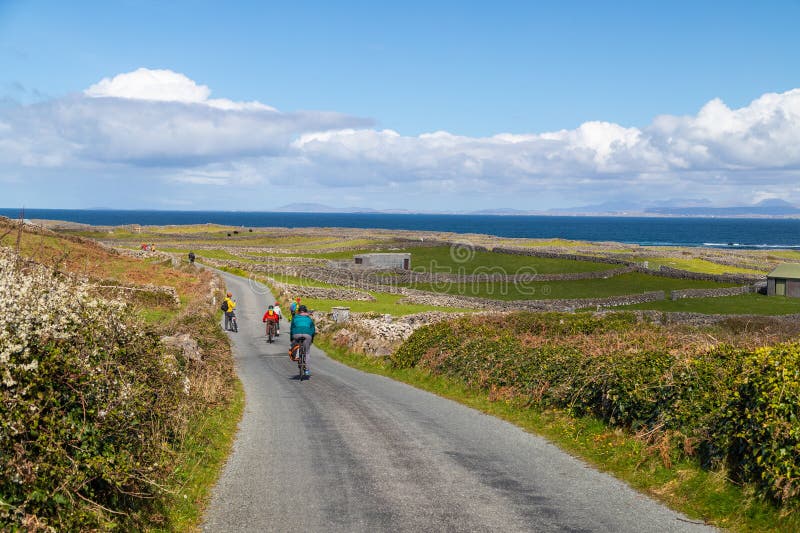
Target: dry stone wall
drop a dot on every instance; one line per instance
(710, 293)
(566, 305)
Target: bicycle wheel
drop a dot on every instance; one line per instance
(270, 329)
(234, 326)
(301, 363)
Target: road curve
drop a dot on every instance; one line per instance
(349, 451)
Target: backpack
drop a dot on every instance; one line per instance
(224, 305)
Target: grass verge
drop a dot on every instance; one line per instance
(703, 495)
(201, 459)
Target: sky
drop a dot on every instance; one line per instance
(421, 105)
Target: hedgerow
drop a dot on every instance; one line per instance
(723, 404)
(87, 406)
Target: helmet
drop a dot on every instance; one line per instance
(276, 303)
(303, 309)
(270, 307)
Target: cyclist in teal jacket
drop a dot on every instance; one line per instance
(303, 330)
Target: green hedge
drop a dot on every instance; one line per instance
(723, 405)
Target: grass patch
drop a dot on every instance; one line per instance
(743, 304)
(440, 259)
(631, 283)
(700, 494)
(697, 265)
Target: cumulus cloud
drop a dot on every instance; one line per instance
(151, 118)
(159, 118)
(716, 149)
(165, 86)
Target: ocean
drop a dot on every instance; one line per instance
(647, 231)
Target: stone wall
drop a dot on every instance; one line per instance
(559, 255)
(566, 305)
(710, 293)
(378, 335)
(321, 293)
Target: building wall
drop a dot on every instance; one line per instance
(793, 288)
(388, 261)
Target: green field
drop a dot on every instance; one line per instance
(632, 283)
(467, 261)
(744, 304)
(697, 265)
(384, 304)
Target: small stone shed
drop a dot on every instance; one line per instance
(784, 280)
(387, 261)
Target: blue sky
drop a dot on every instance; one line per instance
(359, 87)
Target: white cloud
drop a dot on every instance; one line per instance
(157, 119)
(165, 86)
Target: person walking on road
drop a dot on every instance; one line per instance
(303, 331)
(228, 306)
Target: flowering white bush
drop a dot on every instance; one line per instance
(86, 402)
(39, 307)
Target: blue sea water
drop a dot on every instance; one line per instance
(648, 231)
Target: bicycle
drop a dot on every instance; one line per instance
(234, 327)
(301, 360)
(271, 329)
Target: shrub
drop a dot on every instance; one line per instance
(87, 401)
(763, 421)
(719, 402)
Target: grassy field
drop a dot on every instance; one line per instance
(384, 304)
(443, 259)
(745, 304)
(697, 265)
(631, 283)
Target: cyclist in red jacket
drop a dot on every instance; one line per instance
(272, 316)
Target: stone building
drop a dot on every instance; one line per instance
(384, 261)
(784, 280)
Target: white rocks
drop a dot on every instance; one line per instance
(186, 344)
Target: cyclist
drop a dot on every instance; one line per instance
(228, 306)
(293, 307)
(303, 331)
(271, 316)
(277, 307)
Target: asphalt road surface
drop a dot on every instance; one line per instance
(349, 451)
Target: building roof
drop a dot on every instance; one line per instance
(786, 270)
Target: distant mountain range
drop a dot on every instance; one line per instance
(672, 207)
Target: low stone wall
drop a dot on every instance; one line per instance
(710, 293)
(321, 293)
(559, 255)
(379, 335)
(566, 305)
(702, 320)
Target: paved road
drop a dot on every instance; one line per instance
(348, 451)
